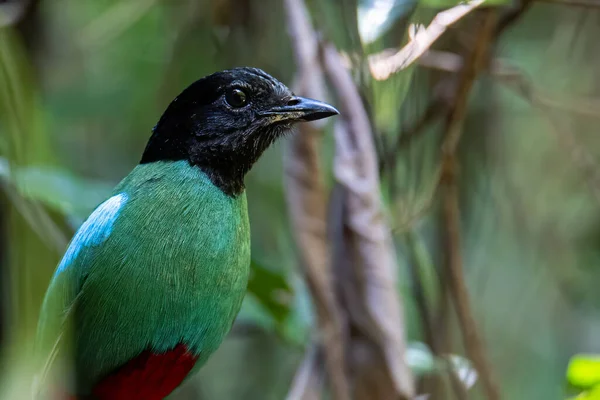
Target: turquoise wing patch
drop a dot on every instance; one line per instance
(95, 230)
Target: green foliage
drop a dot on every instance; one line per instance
(272, 291)
(592, 394)
(57, 189)
(422, 362)
(583, 372)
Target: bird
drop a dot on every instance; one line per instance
(153, 280)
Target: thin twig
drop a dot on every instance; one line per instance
(431, 58)
(388, 62)
(422, 206)
(418, 264)
(309, 377)
(516, 79)
(513, 15)
(416, 268)
(574, 3)
(435, 109)
(453, 263)
(581, 157)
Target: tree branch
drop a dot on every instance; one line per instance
(389, 61)
(307, 202)
(378, 312)
(512, 16)
(453, 264)
(515, 78)
(574, 3)
(309, 377)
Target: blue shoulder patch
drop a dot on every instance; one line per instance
(95, 229)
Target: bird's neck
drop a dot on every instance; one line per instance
(225, 170)
(228, 178)
(225, 166)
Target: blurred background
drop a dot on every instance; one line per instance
(451, 249)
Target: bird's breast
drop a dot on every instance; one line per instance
(174, 270)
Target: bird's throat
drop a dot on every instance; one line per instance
(229, 179)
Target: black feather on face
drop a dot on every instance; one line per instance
(224, 122)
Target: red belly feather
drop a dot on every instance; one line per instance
(149, 376)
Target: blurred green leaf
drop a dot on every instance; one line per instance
(274, 304)
(297, 328)
(56, 188)
(255, 314)
(593, 394)
(272, 290)
(424, 265)
(421, 361)
(22, 129)
(584, 371)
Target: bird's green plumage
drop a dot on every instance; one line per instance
(160, 268)
(174, 269)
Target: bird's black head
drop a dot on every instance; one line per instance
(222, 123)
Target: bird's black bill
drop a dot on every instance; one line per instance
(301, 109)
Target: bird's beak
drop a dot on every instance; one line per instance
(300, 109)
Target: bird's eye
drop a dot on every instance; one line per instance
(236, 98)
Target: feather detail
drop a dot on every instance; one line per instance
(149, 376)
(162, 262)
(95, 229)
